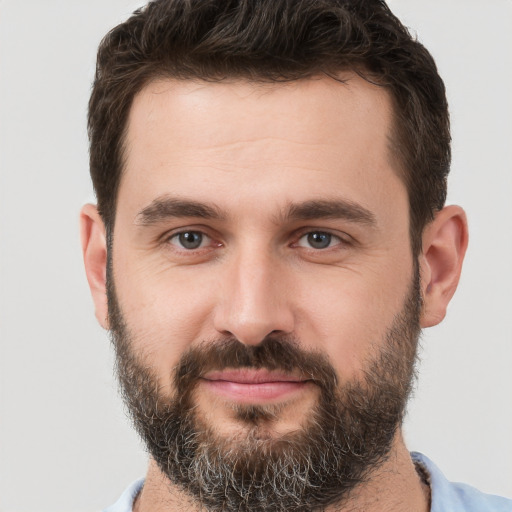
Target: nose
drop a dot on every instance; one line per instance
(254, 299)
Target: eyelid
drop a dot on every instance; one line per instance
(184, 228)
(204, 241)
(334, 241)
(166, 238)
(344, 238)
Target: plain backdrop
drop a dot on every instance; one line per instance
(65, 442)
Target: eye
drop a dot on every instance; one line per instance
(318, 240)
(189, 240)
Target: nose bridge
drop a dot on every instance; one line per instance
(254, 301)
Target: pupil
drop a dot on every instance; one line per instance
(319, 240)
(190, 240)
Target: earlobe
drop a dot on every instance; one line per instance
(445, 241)
(94, 249)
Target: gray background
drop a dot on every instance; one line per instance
(65, 444)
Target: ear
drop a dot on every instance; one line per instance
(94, 249)
(445, 241)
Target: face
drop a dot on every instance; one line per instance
(261, 270)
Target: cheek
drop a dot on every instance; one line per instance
(348, 319)
(165, 311)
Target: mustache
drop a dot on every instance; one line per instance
(282, 353)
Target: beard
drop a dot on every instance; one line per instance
(342, 440)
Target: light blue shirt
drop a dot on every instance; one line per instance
(456, 497)
(446, 496)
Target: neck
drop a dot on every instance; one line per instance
(394, 486)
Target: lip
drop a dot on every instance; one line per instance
(253, 386)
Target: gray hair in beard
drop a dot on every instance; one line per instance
(346, 436)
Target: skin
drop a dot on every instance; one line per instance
(250, 151)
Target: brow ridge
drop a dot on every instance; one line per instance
(330, 209)
(165, 207)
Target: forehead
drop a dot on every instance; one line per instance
(319, 109)
(311, 135)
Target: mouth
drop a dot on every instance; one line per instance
(254, 385)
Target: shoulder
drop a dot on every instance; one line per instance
(450, 497)
(125, 502)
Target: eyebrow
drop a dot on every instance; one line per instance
(163, 208)
(330, 209)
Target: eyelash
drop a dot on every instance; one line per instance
(321, 235)
(189, 232)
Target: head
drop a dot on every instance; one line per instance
(271, 237)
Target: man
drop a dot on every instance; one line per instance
(269, 240)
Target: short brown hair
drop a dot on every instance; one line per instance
(274, 40)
